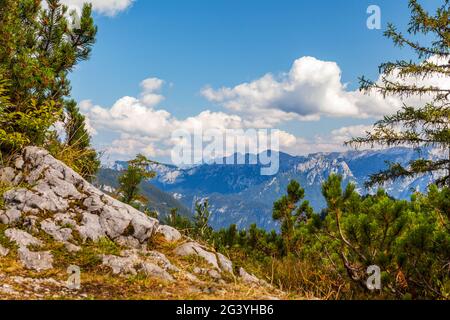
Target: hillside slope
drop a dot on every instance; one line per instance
(55, 227)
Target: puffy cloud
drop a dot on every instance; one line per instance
(129, 115)
(344, 134)
(106, 7)
(312, 88)
(150, 88)
(152, 84)
(128, 145)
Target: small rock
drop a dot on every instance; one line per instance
(65, 219)
(31, 223)
(71, 247)
(193, 289)
(121, 265)
(270, 298)
(197, 270)
(57, 232)
(225, 263)
(191, 277)
(209, 290)
(38, 261)
(18, 179)
(90, 227)
(93, 203)
(44, 198)
(144, 226)
(210, 272)
(248, 278)
(10, 216)
(3, 251)
(193, 248)
(129, 242)
(7, 289)
(63, 188)
(7, 175)
(21, 238)
(153, 270)
(169, 233)
(214, 274)
(113, 222)
(19, 163)
(162, 260)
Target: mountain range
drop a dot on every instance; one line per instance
(239, 194)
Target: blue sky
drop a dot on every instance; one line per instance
(198, 44)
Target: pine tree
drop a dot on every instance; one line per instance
(286, 211)
(38, 50)
(408, 241)
(172, 218)
(231, 235)
(78, 140)
(130, 180)
(417, 126)
(201, 219)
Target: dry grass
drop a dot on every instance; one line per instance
(306, 279)
(74, 157)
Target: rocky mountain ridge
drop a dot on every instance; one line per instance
(239, 194)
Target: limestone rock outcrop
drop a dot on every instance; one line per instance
(48, 200)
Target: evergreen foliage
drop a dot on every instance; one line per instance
(201, 219)
(417, 126)
(289, 214)
(329, 253)
(131, 178)
(39, 47)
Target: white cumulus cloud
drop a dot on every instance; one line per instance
(106, 7)
(310, 89)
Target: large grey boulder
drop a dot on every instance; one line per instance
(46, 195)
